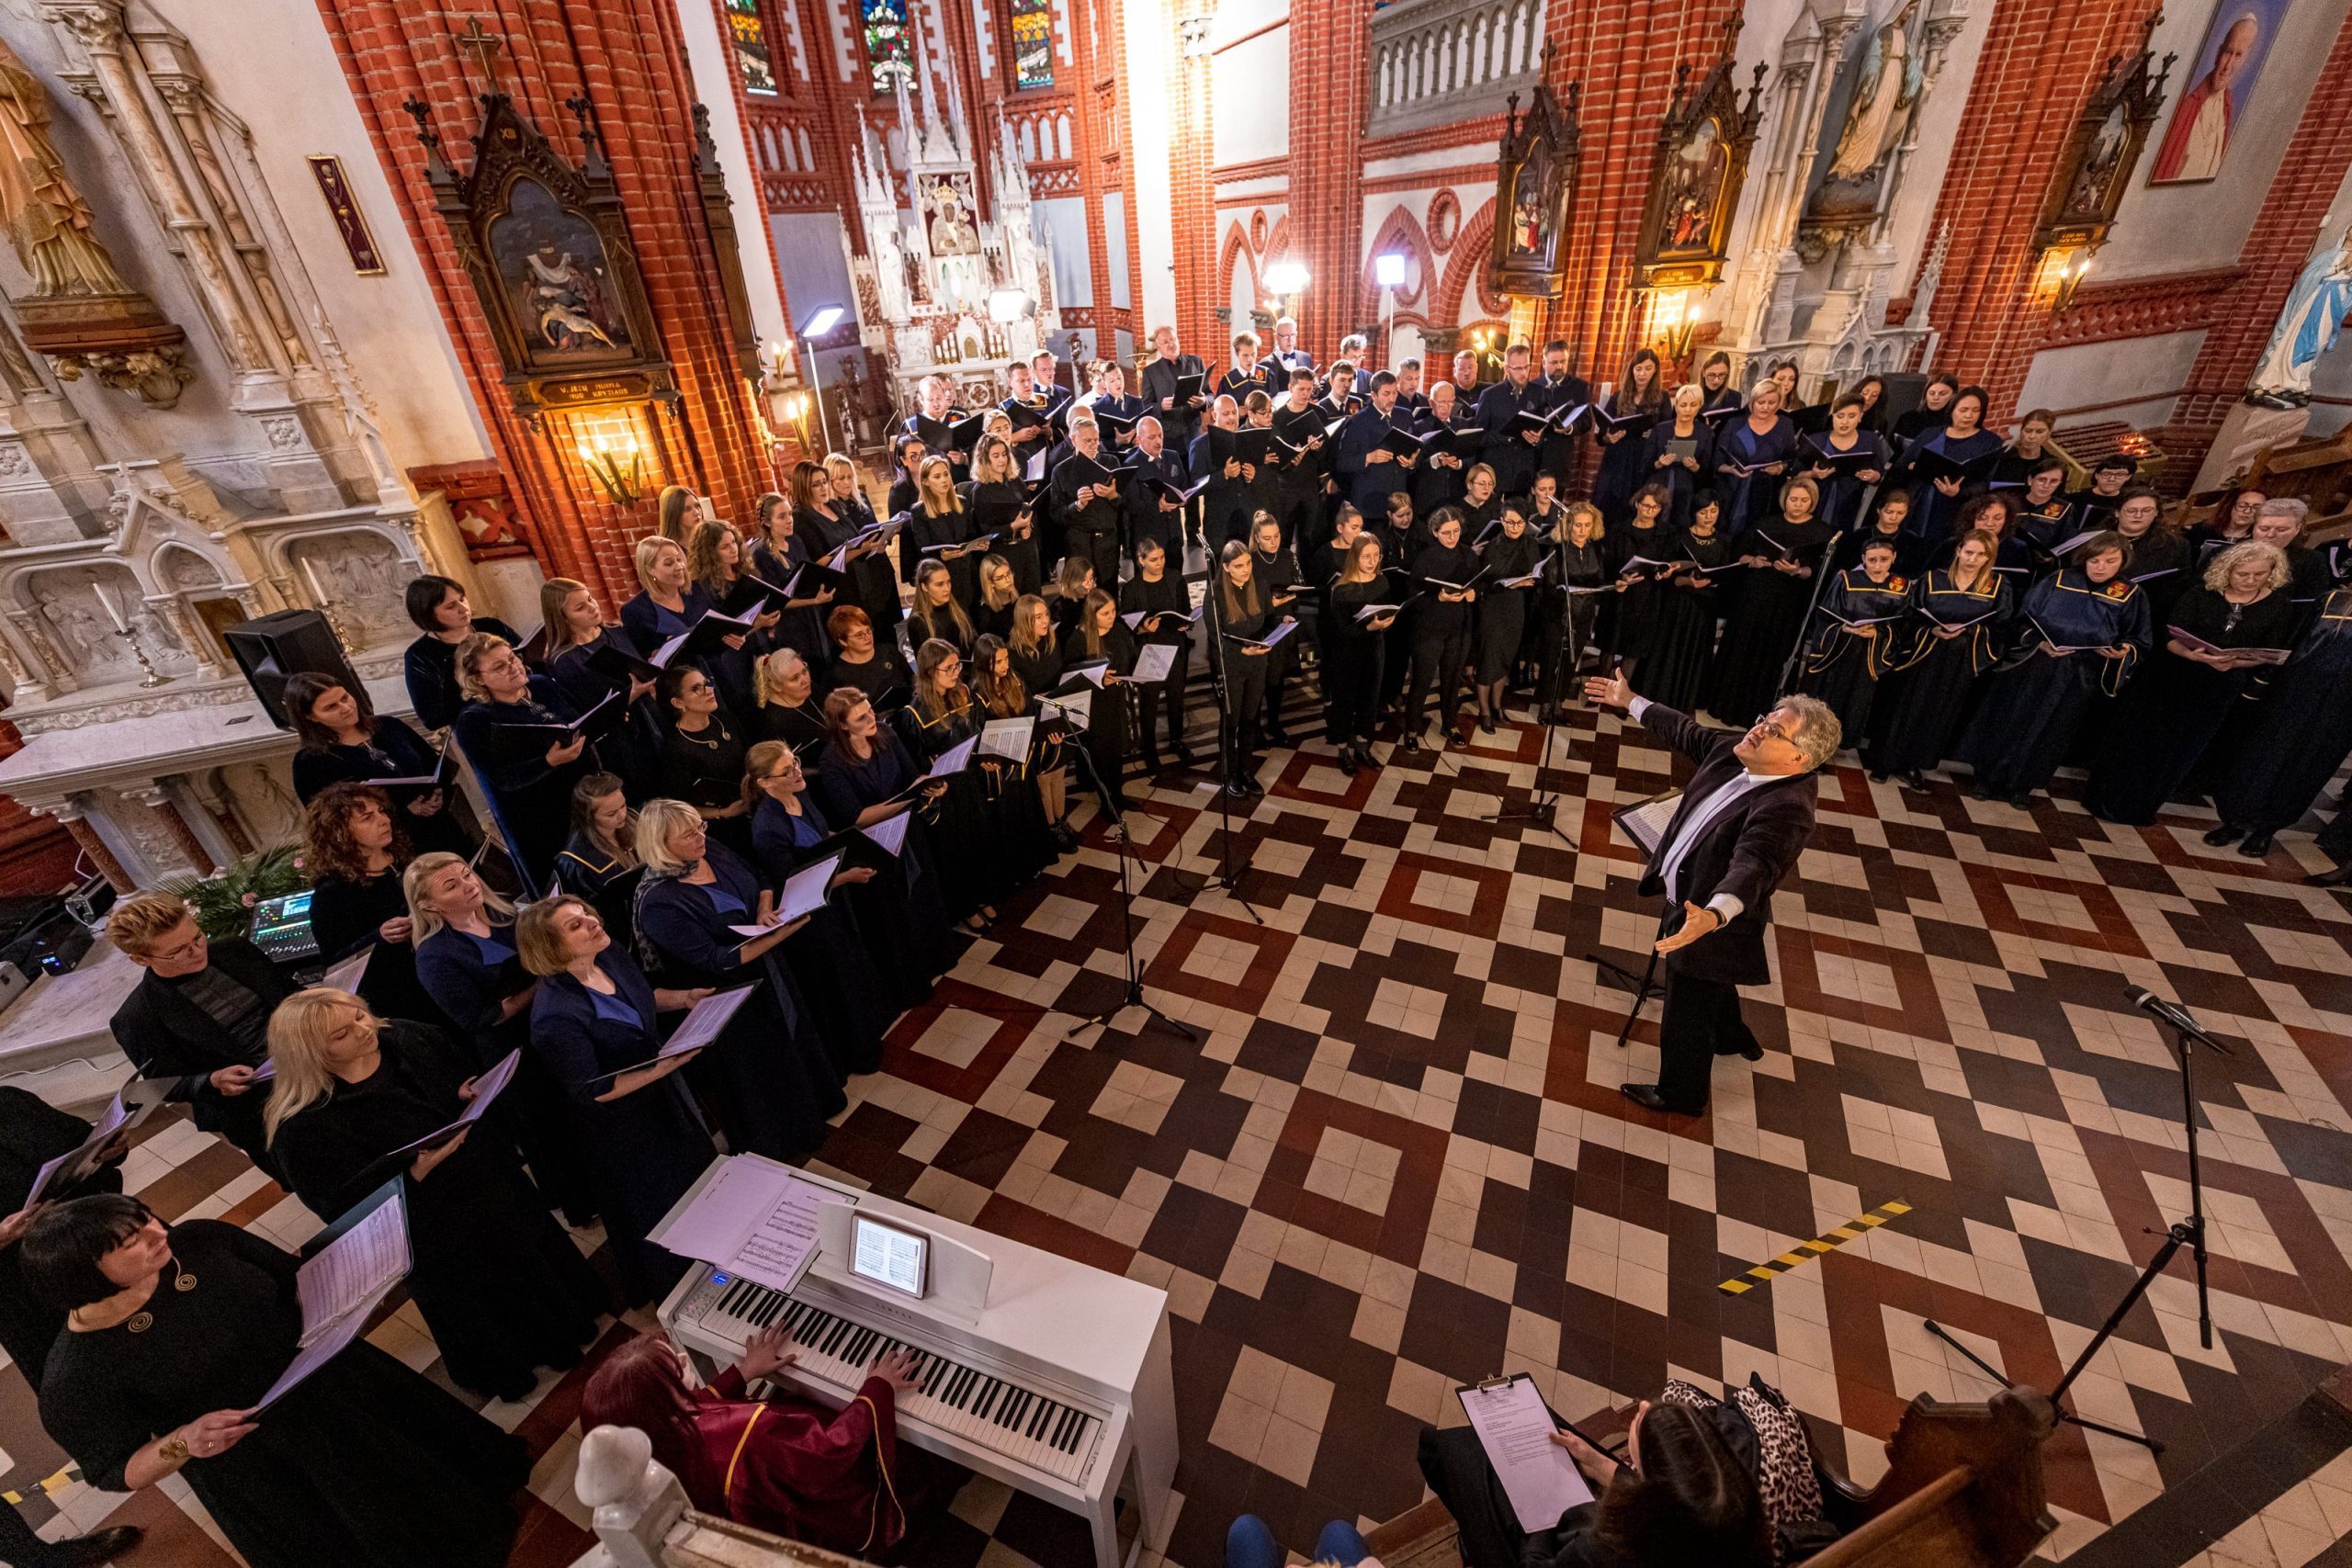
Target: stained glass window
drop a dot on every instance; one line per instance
(751, 56)
(890, 50)
(1033, 44)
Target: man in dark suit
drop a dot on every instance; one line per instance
(1179, 418)
(1369, 469)
(200, 1013)
(1510, 446)
(1745, 817)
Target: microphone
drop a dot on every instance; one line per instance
(2155, 1007)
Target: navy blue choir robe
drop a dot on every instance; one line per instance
(631, 749)
(1933, 680)
(394, 750)
(530, 797)
(1842, 493)
(1683, 482)
(430, 667)
(649, 1145)
(2038, 700)
(1932, 512)
(1843, 668)
(2301, 732)
(2176, 705)
(1751, 499)
(898, 923)
(1767, 617)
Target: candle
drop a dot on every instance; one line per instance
(114, 612)
(310, 575)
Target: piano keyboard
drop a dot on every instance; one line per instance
(992, 1412)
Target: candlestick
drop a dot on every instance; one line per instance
(114, 612)
(326, 605)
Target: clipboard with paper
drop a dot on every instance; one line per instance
(1514, 1427)
(1645, 821)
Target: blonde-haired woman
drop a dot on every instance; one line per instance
(588, 660)
(503, 1289)
(511, 729)
(776, 1073)
(594, 1030)
(670, 602)
(783, 702)
(873, 579)
(2217, 635)
(939, 529)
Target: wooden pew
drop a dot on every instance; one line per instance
(1962, 1489)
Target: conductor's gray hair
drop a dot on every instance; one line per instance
(1818, 732)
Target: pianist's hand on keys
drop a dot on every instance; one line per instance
(769, 1350)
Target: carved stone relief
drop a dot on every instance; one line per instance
(361, 574)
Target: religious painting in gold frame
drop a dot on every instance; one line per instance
(1535, 182)
(1701, 162)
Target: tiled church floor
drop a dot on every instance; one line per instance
(1400, 1161)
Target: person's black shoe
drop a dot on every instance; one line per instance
(1250, 779)
(1645, 1095)
(1182, 753)
(1151, 764)
(1238, 789)
(1277, 736)
(1915, 779)
(2022, 800)
(1412, 744)
(1365, 756)
(1881, 778)
(1751, 1050)
(94, 1548)
(2256, 845)
(1981, 790)
(1348, 761)
(1486, 723)
(2334, 876)
(2227, 833)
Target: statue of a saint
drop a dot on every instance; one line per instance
(2316, 310)
(48, 221)
(1879, 110)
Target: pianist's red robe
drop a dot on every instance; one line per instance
(796, 1469)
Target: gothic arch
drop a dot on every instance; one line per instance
(1466, 259)
(1231, 258)
(1399, 231)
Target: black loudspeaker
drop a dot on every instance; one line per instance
(1905, 390)
(276, 648)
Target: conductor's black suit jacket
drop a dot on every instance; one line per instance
(1745, 851)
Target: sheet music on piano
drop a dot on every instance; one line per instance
(753, 1218)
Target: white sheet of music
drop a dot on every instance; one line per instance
(1007, 738)
(1647, 824)
(345, 976)
(890, 832)
(353, 1271)
(1514, 1427)
(1154, 663)
(752, 1219)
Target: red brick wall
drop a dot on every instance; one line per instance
(37, 855)
(1331, 91)
(627, 58)
(2042, 60)
(1192, 195)
(2277, 249)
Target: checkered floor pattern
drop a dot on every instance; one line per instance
(1399, 1161)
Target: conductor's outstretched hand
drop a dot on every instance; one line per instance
(1611, 690)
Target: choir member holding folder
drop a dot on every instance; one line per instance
(891, 904)
(1944, 464)
(1003, 504)
(2239, 619)
(1239, 650)
(1446, 579)
(2298, 739)
(173, 1335)
(2081, 634)
(1847, 459)
(437, 605)
(668, 604)
(588, 662)
(1101, 639)
(1679, 451)
(940, 529)
(343, 740)
(595, 1027)
(1511, 556)
(1354, 645)
(2162, 563)
(1955, 635)
(1157, 609)
(704, 918)
(992, 840)
(1644, 556)
(1857, 625)
(1750, 456)
(361, 1100)
(356, 851)
(1776, 589)
(1087, 501)
(1622, 425)
(527, 744)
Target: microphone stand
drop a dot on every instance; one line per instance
(1541, 804)
(1133, 996)
(1821, 575)
(2188, 1232)
(1227, 743)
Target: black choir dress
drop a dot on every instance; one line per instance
(2176, 705)
(1843, 668)
(995, 503)
(430, 667)
(2034, 706)
(1681, 638)
(365, 1464)
(1571, 617)
(1934, 680)
(704, 769)
(631, 748)
(1932, 512)
(393, 751)
(898, 915)
(1680, 482)
(1766, 617)
(501, 1287)
(802, 629)
(1351, 661)
(1627, 618)
(653, 1143)
(1502, 611)
(1842, 491)
(2300, 735)
(33, 1132)
(346, 915)
(1627, 463)
(508, 745)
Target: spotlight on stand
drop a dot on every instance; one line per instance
(1287, 277)
(1388, 271)
(822, 320)
(1009, 305)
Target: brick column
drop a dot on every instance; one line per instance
(1191, 129)
(627, 58)
(1330, 53)
(2276, 250)
(1623, 56)
(2040, 60)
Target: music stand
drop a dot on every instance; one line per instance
(1228, 747)
(1134, 997)
(1645, 822)
(1542, 807)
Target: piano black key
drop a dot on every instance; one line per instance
(989, 1394)
(1038, 1418)
(838, 1335)
(1062, 1426)
(1047, 1420)
(1018, 1408)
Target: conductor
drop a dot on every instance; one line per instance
(1744, 819)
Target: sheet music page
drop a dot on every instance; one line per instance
(1077, 709)
(1514, 1427)
(704, 1020)
(1155, 661)
(725, 1211)
(804, 890)
(777, 1251)
(890, 832)
(333, 1341)
(1007, 738)
(345, 976)
(956, 758)
(354, 1270)
(1647, 823)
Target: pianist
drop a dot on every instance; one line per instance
(840, 1480)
